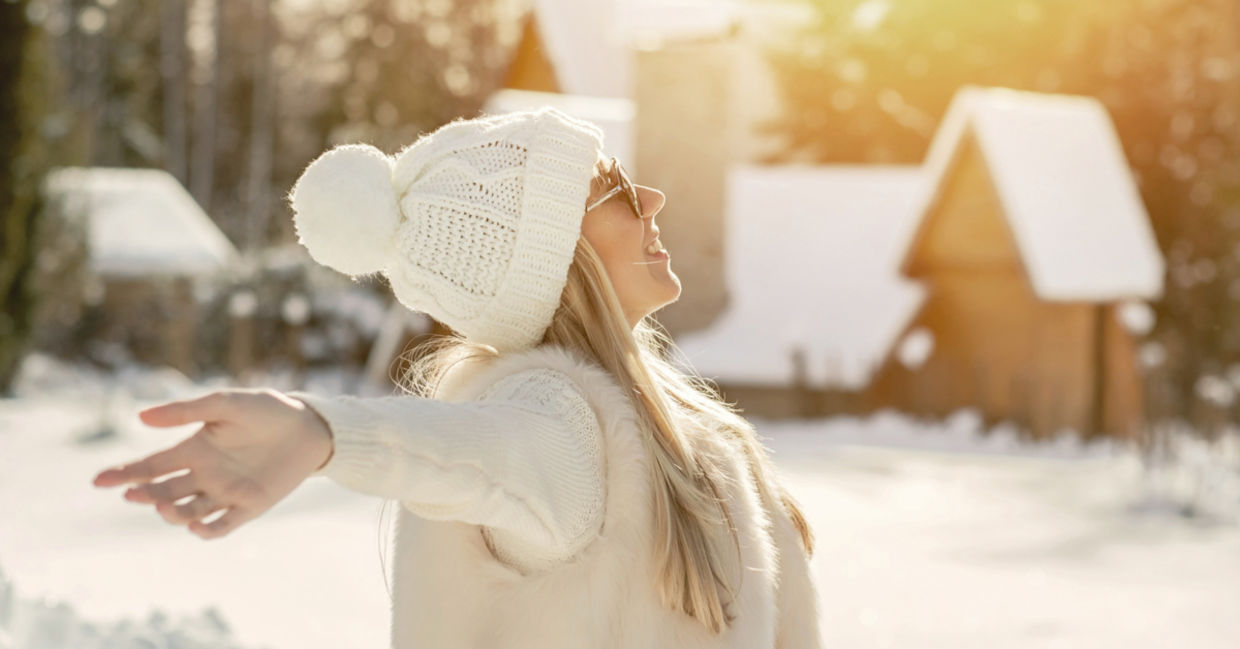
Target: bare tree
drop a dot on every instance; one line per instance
(19, 169)
(206, 103)
(172, 72)
(258, 189)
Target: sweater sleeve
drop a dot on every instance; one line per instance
(525, 459)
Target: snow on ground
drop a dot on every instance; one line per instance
(306, 574)
(929, 536)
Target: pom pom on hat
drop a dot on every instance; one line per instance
(474, 224)
(344, 209)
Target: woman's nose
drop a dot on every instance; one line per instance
(652, 200)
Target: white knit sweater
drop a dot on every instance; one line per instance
(500, 541)
(524, 461)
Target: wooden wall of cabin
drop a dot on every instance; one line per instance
(1124, 395)
(965, 231)
(531, 67)
(996, 350)
(1043, 366)
(781, 402)
(155, 319)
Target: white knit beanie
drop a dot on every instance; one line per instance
(474, 224)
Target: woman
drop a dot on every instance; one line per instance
(561, 484)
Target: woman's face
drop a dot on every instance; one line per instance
(643, 279)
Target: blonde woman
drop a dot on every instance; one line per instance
(561, 484)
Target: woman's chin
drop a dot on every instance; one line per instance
(673, 287)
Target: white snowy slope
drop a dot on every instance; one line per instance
(929, 536)
(307, 574)
(48, 623)
(924, 543)
(811, 256)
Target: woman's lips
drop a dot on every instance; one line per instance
(656, 250)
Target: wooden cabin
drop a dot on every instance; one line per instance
(997, 276)
(1031, 239)
(148, 248)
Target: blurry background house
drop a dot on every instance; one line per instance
(133, 250)
(1035, 250)
(803, 145)
(692, 83)
(998, 275)
(815, 299)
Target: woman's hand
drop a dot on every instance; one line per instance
(253, 449)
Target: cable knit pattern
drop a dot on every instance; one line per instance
(474, 224)
(578, 459)
(524, 461)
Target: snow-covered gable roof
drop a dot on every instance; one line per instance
(811, 262)
(590, 42)
(141, 222)
(1065, 187)
(613, 115)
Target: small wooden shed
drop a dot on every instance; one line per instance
(148, 247)
(1032, 242)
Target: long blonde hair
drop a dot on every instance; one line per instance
(692, 522)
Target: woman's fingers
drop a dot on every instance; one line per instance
(200, 507)
(212, 407)
(146, 469)
(209, 408)
(170, 490)
(231, 520)
(249, 453)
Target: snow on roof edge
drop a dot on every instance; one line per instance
(881, 304)
(212, 249)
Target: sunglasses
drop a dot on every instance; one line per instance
(621, 183)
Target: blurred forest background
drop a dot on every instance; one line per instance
(234, 97)
(1064, 543)
(1168, 72)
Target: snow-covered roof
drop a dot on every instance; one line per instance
(612, 114)
(589, 42)
(811, 262)
(141, 222)
(1065, 187)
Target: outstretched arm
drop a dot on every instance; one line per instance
(526, 458)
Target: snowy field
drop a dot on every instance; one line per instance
(929, 537)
